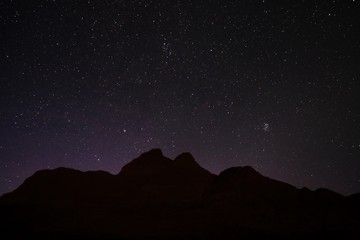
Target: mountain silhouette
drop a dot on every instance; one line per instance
(157, 197)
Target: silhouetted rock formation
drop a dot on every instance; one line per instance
(154, 196)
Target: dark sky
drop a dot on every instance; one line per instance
(270, 84)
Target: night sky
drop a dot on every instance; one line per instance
(271, 84)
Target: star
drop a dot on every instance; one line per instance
(266, 127)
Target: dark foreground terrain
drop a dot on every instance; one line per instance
(154, 197)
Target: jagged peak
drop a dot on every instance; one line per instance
(184, 155)
(146, 163)
(154, 162)
(186, 158)
(245, 171)
(154, 156)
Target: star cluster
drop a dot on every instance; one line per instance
(270, 84)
